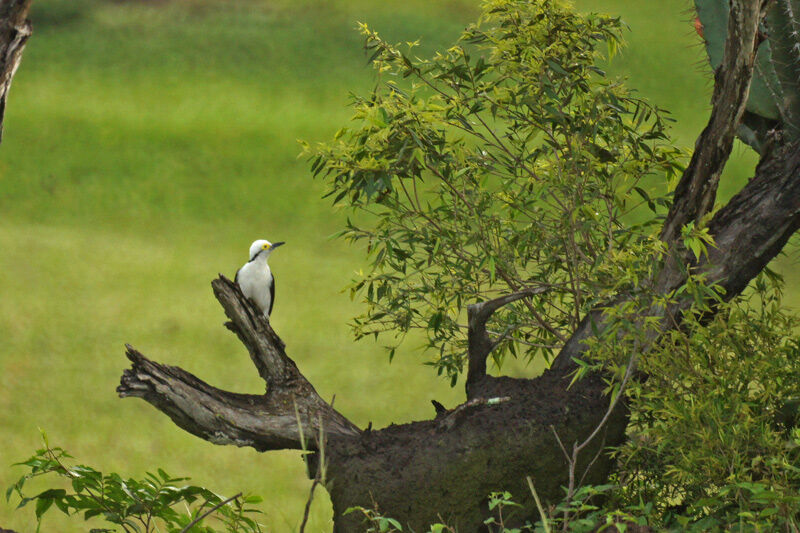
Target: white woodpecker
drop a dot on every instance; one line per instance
(255, 278)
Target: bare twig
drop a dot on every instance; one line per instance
(625, 379)
(572, 460)
(545, 521)
(600, 450)
(308, 504)
(560, 444)
(319, 475)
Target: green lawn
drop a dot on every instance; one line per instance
(146, 145)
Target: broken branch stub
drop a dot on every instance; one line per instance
(480, 345)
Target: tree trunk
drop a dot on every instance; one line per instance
(442, 470)
(419, 473)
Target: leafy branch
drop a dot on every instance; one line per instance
(505, 162)
(145, 505)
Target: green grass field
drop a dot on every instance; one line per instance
(146, 145)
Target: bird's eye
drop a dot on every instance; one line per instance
(265, 246)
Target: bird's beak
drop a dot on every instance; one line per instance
(276, 244)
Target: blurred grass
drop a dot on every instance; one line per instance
(146, 145)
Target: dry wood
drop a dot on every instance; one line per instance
(696, 191)
(480, 345)
(15, 28)
(264, 422)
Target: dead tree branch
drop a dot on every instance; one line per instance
(15, 28)
(695, 194)
(265, 347)
(264, 422)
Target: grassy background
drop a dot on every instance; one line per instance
(146, 145)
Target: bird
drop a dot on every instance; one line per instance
(256, 279)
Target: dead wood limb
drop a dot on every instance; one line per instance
(756, 223)
(264, 422)
(743, 247)
(749, 232)
(695, 194)
(480, 345)
(267, 351)
(15, 29)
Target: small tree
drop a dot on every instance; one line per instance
(507, 163)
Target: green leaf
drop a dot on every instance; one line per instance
(42, 505)
(52, 493)
(92, 513)
(252, 499)
(23, 502)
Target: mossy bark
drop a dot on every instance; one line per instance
(443, 470)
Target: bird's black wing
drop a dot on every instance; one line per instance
(272, 295)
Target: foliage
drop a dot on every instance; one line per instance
(502, 506)
(82, 176)
(509, 161)
(713, 438)
(375, 522)
(499, 505)
(713, 428)
(506, 162)
(142, 505)
(94, 181)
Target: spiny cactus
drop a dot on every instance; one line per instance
(775, 90)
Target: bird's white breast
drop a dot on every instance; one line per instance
(254, 279)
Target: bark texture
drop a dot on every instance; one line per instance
(271, 421)
(479, 342)
(15, 28)
(443, 470)
(418, 473)
(749, 232)
(696, 192)
(697, 189)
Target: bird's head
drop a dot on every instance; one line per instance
(262, 248)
